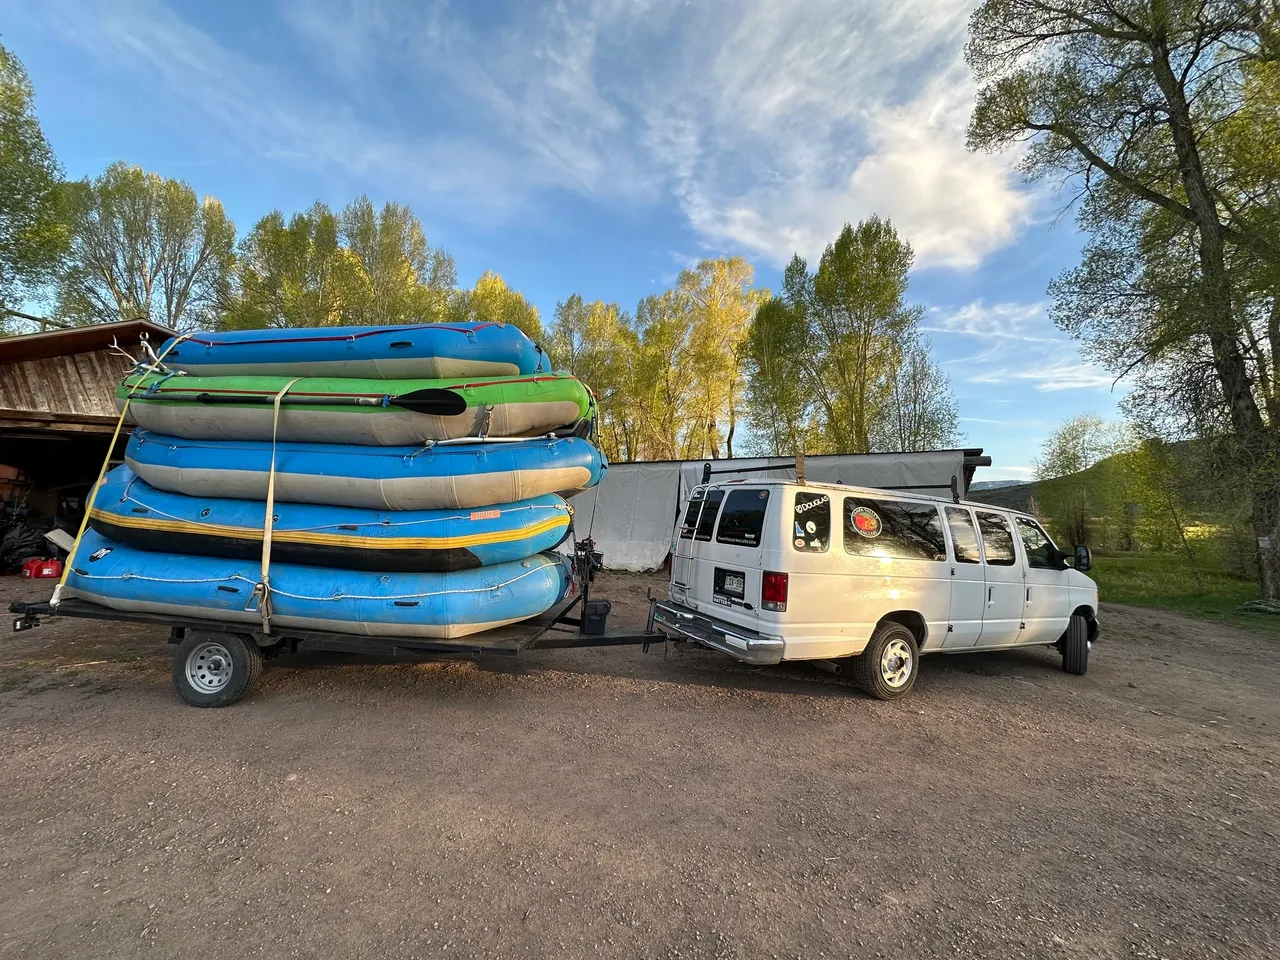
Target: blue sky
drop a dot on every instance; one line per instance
(598, 147)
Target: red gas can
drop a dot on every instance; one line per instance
(42, 569)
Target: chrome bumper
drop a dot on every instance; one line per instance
(682, 623)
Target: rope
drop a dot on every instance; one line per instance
(262, 591)
(93, 491)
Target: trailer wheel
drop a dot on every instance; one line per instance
(887, 668)
(1075, 646)
(216, 669)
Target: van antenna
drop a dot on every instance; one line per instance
(955, 489)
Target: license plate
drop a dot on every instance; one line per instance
(735, 583)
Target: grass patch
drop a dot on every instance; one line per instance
(1165, 581)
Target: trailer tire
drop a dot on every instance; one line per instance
(1075, 646)
(879, 669)
(216, 669)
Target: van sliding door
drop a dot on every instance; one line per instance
(1002, 617)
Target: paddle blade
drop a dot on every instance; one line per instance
(440, 403)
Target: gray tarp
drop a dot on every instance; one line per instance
(632, 514)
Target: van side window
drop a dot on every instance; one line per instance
(1040, 549)
(964, 537)
(691, 516)
(710, 510)
(743, 518)
(997, 539)
(893, 528)
(811, 523)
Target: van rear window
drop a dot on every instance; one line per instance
(691, 516)
(710, 509)
(811, 525)
(897, 529)
(742, 519)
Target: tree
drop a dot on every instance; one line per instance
(33, 234)
(492, 301)
(1071, 456)
(144, 246)
(597, 344)
(297, 274)
(921, 412)
(1134, 102)
(409, 281)
(838, 355)
(720, 304)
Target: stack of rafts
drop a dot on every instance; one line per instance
(417, 478)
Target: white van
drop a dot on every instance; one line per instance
(777, 570)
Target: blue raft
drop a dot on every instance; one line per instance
(429, 605)
(129, 511)
(442, 476)
(409, 352)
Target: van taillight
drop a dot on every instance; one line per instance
(773, 591)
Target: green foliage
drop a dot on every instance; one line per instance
(1164, 113)
(144, 246)
(33, 233)
(669, 383)
(492, 301)
(837, 363)
(1164, 581)
(325, 269)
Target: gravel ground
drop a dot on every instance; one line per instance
(620, 804)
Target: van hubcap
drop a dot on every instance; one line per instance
(209, 667)
(895, 663)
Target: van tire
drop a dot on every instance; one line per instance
(1075, 646)
(869, 667)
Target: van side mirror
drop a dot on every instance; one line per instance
(1084, 559)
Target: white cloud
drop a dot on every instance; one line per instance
(1000, 321)
(769, 124)
(1065, 374)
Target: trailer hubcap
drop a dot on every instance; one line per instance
(895, 663)
(209, 667)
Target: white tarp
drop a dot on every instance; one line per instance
(632, 513)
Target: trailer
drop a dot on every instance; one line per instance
(215, 663)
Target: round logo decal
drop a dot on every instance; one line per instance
(811, 527)
(866, 522)
(800, 542)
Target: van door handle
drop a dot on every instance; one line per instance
(990, 590)
(1028, 594)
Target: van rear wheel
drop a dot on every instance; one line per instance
(887, 668)
(1075, 646)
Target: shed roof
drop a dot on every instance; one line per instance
(97, 336)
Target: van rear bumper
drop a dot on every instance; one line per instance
(682, 623)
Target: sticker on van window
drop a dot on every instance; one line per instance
(799, 541)
(866, 522)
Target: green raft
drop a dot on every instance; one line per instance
(365, 412)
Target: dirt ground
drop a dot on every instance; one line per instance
(620, 804)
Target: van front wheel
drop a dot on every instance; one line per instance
(1075, 646)
(887, 668)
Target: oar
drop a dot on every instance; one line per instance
(437, 402)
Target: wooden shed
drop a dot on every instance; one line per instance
(57, 409)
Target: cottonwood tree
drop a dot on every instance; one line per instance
(33, 233)
(838, 353)
(144, 246)
(409, 281)
(1134, 102)
(297, 273)
(492, 301)
(597, 344)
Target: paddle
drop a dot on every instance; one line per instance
(434, 401)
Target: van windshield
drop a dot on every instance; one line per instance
(742, 519)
